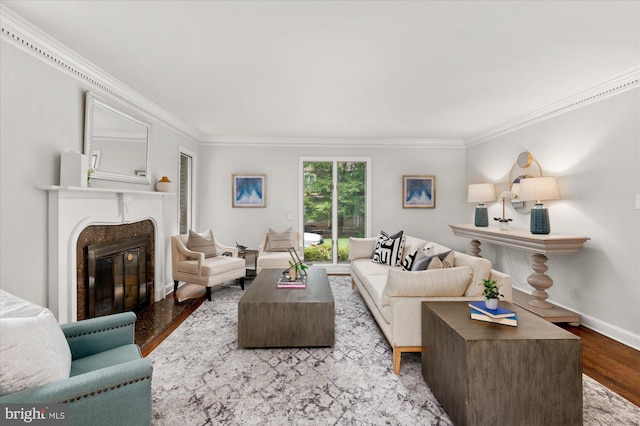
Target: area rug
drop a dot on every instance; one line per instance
(200, 377)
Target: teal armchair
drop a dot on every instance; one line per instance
(110, 381)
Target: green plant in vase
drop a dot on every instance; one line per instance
(295, 269)
(491, 293)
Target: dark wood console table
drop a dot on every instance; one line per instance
(541, 245)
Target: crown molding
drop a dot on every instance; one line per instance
(26, 36)
(331, 142)
(615, 86)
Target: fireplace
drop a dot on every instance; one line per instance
(115, 268)
(79, 217)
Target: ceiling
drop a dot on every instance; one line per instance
(348, 69)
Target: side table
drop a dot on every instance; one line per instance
(253, 267)
(491, 374)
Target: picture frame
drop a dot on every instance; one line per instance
(418, 192)
(248, 190)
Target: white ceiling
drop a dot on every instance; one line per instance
(348, 69)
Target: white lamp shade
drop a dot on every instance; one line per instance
(539, 189)
(479, 192)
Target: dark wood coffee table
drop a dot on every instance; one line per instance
(485, 373)
(272, 317)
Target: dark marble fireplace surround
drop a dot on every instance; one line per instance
(96, 234)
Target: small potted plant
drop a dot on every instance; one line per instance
(491, 293)
(295, 269)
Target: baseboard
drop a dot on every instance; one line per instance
(612, 331)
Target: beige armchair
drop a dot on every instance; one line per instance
(211, 272)
(275, 254)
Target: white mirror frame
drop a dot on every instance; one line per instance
(93, 100)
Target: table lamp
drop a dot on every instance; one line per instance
(479, 193)
(538, 190)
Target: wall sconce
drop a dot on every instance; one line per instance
(539, 189)
(479, 193)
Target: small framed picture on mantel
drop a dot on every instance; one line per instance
(248, 190)
(418, 192)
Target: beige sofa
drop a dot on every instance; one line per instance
(394, 296)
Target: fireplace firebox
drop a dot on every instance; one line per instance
(118, 278)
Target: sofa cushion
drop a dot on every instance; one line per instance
(280, 241)
(363, 268)
(450, 282)
(389, 248)
(481, 270)
(275, 259)
(203, 243)
(212, 266)
(375, 284)
(33, 349)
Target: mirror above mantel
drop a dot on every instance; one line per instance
(117, 142)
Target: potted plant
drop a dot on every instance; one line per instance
(295, 269)
(491, 293)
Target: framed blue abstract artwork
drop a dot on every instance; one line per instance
(418, 192)
(248, 190)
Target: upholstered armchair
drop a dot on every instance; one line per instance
(109, 382)
(273, 251)
(209, 266)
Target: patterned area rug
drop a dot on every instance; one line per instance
(201, 377)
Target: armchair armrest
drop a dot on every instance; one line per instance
(263, 245)
(449, 282)
(97, 381)
(223, 248)
(189, 254)
(99, 334)
(360, 248)
(504, 283)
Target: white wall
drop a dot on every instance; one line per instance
(41, 116)
(595, 153)
(281, 165)
(593, 150)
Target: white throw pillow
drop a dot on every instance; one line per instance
(33, 349)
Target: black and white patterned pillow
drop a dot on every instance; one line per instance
(412, 258)
(389, 248)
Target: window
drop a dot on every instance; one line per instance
(334, 207)
(186, 190)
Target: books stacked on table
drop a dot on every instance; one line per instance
(497, 316)
(285, 282)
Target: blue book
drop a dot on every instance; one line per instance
(493, 313)
(512, 321)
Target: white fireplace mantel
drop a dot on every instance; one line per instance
(71, 210)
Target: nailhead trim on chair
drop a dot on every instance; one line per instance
(99, 391)
(100, 331)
